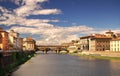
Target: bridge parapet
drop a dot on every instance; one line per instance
(54, 48)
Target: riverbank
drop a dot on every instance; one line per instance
(99, 55)
(11, 61)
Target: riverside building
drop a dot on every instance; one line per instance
(14, 40)
(29, 44)
(4, 43)
(95, 42)
(115, 45)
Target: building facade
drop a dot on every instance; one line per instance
(115, 45)
(4, 43)
(85, 42)
(99, 44)
(14, 40)
(29, 44)
(95, 42)
(21, 43)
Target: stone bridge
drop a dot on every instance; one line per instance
(54, 48)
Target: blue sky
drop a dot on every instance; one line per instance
(94, 13)
(67, 19)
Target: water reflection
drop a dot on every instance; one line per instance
(115, 67)
(101, 67)
(95, 67)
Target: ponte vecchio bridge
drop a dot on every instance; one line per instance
(54, 48)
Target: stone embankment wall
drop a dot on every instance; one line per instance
(102, 53)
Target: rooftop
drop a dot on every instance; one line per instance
(109, 32)
(95, 36)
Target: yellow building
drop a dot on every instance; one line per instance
(115, 45)
(109, 33)
(29, 44)
(72, 46)
(14, 40)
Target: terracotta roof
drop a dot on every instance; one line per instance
(102, 37)
(85, 37)
(29, 40)
(3, 31)
(96, 36)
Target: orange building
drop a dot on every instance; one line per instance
(4, 40)
(0, 41)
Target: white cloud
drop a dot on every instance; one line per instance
(25, 30)
(116, 31)
(3, 10)
(54, 34)
(79, 28)
(37, 22)
(104, 30)
(49, 33)
(7, 17)
(31, 7)
(24, 10)
(18, 15)
(46, 12)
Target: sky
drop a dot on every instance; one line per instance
(59, 21)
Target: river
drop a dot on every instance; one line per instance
(67, 65)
